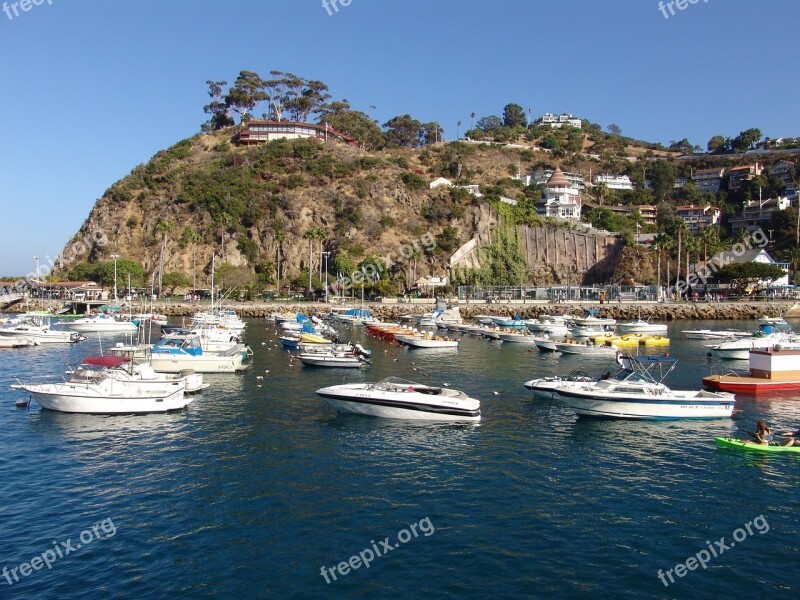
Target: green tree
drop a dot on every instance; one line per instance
(514, 116)
(716, 144)
(125, 267)
(746, 139)
(265, 272)
(175, 279)
(431, 133)
(614, 129)
(217, 107)
(355, 124)
(663, 180)
(245, 93)
(403, 130)
(489, 124)
(344, 263)
(748, 277)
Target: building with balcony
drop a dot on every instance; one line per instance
(649, 213)
(756, 214)
(260, 132)
(697, 217)
(738, 175)
(540, 177)
(614, 182)
(708, 181)
(561, 199)
(557, 121)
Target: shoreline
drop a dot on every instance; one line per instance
(527, 310)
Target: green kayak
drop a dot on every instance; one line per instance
(723, 442)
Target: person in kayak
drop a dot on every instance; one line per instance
(761, 433)
(791, 438)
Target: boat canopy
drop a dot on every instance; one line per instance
(653, 359)
(105, 361)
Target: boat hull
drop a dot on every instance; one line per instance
(692, 405)
(748, 385)
(58, 398)
(199, 364)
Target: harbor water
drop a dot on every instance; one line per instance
(260, 490)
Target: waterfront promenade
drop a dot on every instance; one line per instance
(657, 311)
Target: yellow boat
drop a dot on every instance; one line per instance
(612, 338)
(656, 340)
(313, 338)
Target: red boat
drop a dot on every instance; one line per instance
(771, 370)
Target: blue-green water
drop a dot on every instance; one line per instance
(252, 490)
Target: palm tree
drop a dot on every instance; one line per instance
(458, 127)
(472, 121)
(192, 237)
(598, 192)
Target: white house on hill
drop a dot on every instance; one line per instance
(561, 199)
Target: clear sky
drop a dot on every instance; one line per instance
(93, 88)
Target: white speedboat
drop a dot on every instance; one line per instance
(336, 360)
(16, 342)
(89, 390)
(739, 349)
(585, 348)
(395, 398)
(101, 323)
(425, 341)
(39, 329)
(544, 388)
(517, 337)
(715, 334)
(178, 352)
(546, 345)
(640, 326)
(634, 392)
(122, 362)
(354, 315)
(594, 321)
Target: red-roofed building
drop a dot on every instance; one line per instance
(738, 175)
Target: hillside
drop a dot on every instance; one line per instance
(253, 206)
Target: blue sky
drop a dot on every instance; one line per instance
(95, 87)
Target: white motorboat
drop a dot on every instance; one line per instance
(589, 331)
(181, 351)
(739, 349)
(336, 360)
(425, 341)
(545, 323)
(640, 326)
(39, 329)
(516, 337)
(585, 348)
(354, 315)
(89, 390)
(634, 392)
(544, 388)
(101, 323)
(121, 360)
(17, 342)
(221, 318)
(593, 320)
(545, 344)
(395, 398)
(715, 334)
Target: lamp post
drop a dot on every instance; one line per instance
(115, 257)
(325, 255)
(36, 258)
